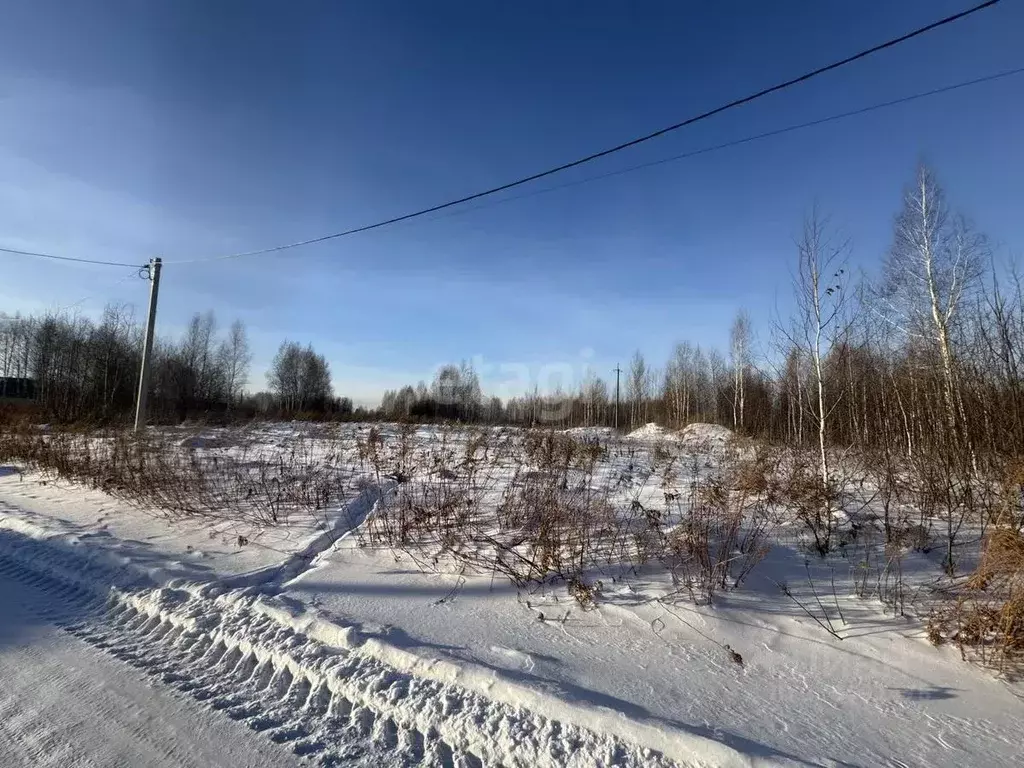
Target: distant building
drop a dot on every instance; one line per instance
(17, 389)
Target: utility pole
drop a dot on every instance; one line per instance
(617, 372)
(147, 348)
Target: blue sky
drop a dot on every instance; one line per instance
(194, 128)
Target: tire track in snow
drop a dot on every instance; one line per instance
(331, 706)
(29, 742)
(64, 704)
(236, 677)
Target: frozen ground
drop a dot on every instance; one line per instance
(348, 654)
(66, 703)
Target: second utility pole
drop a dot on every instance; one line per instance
(617, 372)
(147, 348)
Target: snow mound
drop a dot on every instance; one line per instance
(651, 431)
(588, 432)
(699, 435)
(704, 436)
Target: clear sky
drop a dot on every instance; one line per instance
(194, 128)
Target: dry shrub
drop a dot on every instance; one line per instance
(534, 507)
(1003, 561)
(250, 486)
(1008, 508)
(584, 594)
(390, 459)
(801, 488)
(986, 618)
(726, 522)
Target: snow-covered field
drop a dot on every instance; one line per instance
(368, 632)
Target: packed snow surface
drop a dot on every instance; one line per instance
(69, 700)
(696, 436)
(589, 432)
(650, 431)
(131, 639)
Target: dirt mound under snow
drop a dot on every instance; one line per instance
(692, 435)
(714, 434)
(651, 431)
(588, 432)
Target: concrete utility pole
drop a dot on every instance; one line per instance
(617, 372)
(147, 349)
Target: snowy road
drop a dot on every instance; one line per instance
(66, 703)
(96, 673)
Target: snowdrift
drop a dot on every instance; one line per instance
(697, 435)
(651, 431)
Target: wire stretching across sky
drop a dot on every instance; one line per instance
(736, 142)
(619, 147)
(610, 174)
(685, 155)
(66, 258)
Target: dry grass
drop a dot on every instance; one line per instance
(535, 507)
(525, 505)
(986, 618)
(539, 507)
(249, 486)
(727, 519)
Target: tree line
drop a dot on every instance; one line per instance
(914, 373)
(928, 350)
(924, 356)
(73, 369)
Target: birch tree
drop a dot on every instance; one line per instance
(637, 388)
(819, 321)
(934, 266)
(234, 358)
(935, 262)
(739, 348)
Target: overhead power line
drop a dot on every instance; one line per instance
(625, 145)
(66, 258)
(737, 142)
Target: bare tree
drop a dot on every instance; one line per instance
(299, 378)
(935, 262)
(933, 268)
(739, 348)
(234, 358)
(594, 392)
(285, 375)
(678, 385)
(637, 388)
(456, 392)
(819, 321)
(196, 373)
(715, 387)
